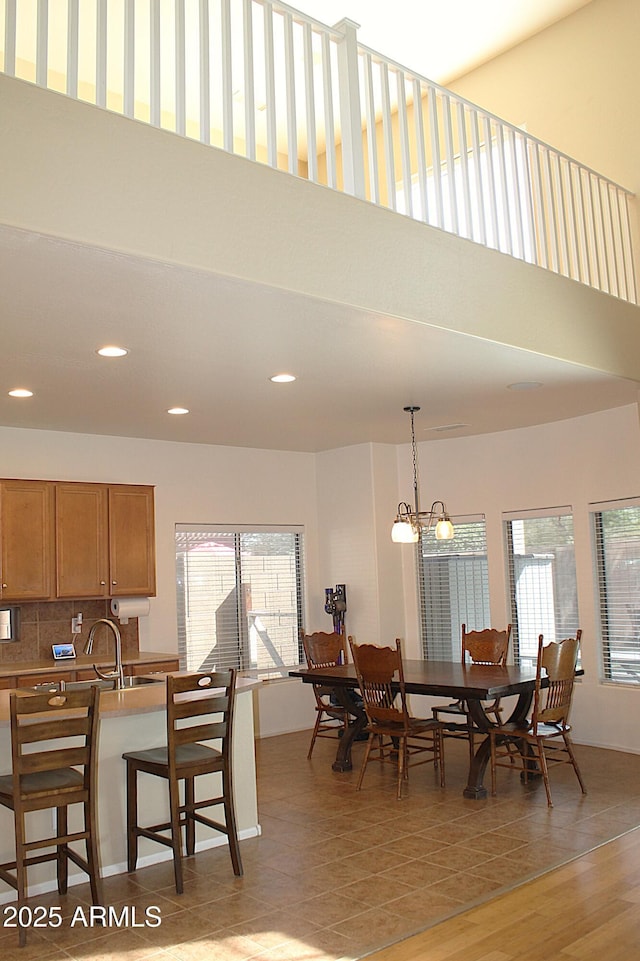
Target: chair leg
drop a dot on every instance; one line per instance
(190, 824)
(315, 733)
(402, 761)
(132, 816)
(21, 875)
(439, 741)
(176, 836)
(542, 758)
(492, 742)
(365, 760)
(569, 747)
(62, 856)
(93, 858)
(230, 821)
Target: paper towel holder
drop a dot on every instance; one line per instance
(9, 624)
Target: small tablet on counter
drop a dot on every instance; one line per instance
(62, 652)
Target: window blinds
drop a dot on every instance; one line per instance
(239, 598)
(453, 585)
(617, 547)
(542, 579)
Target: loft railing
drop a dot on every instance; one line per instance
(260, 79)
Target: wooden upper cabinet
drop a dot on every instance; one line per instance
(131, 541)
(27, 539)
(82, 540)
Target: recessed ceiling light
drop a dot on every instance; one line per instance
(20, 392)
(111, 350)
(525, 385)
(178, 410)
(282, 378)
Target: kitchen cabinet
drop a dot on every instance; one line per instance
(105, 544)
(132, 568)
(153, 667)
(82, 540)
(27, 539)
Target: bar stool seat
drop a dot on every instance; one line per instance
(45, 777)
(200, 707)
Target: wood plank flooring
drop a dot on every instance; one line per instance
(587, 910)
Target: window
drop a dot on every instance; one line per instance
(453, 585)
(542, 579)
(617, 542)
(239, 598)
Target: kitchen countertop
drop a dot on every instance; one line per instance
(134, 700)
(80, 663)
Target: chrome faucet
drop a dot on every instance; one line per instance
(117, 673)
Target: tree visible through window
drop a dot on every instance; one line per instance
(239, 599)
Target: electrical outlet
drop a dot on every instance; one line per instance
(76, 624)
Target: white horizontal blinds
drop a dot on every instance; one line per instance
(617, 540)
(542, 578)
(239, 598)
(453, 584)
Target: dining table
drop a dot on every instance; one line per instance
(472, 683)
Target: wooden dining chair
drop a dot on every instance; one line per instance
(54, 742)
(200, 707)
(326, 650)
(397, 736)
(488, 646)
(546, 737)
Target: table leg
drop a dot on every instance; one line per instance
(343, 755)
(475, 788)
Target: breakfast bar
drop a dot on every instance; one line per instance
(130, 719)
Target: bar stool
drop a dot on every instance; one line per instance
(200, 707)
(53, 778)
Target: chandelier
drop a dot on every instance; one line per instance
(409, 522)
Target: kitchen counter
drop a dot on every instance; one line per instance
(130, 720)
(82, 662)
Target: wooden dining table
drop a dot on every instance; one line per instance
(473, 683)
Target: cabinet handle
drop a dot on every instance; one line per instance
(114, 582)
(102, 583)
(4, 586)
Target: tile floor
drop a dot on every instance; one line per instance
(337, 874)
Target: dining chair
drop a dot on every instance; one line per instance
(396, 735)
(546, 737)
(200, 708)
(488, 646)
(54, 743)
(326, 650)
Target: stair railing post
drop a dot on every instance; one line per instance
(350, 110)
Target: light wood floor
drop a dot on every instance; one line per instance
(587, 910)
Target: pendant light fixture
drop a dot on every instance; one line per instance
(409, 522)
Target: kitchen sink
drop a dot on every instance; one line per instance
(129, 683)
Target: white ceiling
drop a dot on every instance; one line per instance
(356, 370)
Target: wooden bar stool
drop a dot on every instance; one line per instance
(200, 707)
(53, 777)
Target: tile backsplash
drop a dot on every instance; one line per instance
(49, 622)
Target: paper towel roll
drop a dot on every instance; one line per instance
(125, 607)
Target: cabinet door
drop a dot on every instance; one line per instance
(131, 541)
(27, 534)
(82, 532)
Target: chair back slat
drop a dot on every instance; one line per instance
(488, 646)
(557, 660)
(188, 698)
(324, 650)
(66, 718)
(381, 682)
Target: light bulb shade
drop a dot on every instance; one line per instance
(444, 529)
(403, 532)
